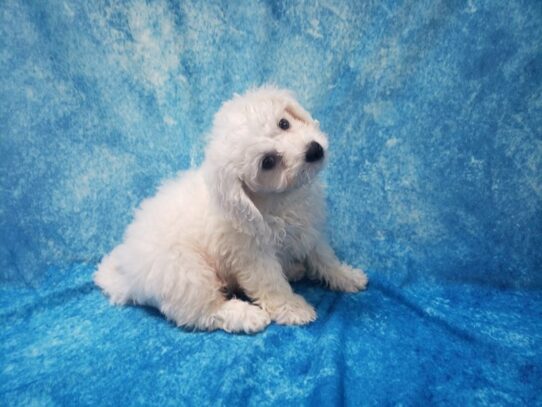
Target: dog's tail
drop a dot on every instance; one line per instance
(109, 278)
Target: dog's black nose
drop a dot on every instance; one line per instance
(314, 153)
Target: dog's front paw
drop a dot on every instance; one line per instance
(293, 311)
(348, 279)
(239, 316)
(256, 320)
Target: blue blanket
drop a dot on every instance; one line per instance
(434, 186)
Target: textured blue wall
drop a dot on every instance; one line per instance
(434, 111)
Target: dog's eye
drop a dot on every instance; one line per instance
(269, 162)
(284, 124)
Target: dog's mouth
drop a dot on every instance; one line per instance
(305, 175)
(310, 170)
(289, 180)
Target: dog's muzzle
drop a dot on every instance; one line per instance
(315, 152)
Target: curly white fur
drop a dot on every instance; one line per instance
(233, 224)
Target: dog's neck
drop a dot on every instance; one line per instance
(272, 203)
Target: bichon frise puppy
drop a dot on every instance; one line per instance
(250, 218)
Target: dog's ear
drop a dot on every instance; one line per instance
(298, 113)
(229, 193)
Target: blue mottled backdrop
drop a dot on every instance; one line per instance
(434, 112)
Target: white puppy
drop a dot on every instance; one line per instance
(250, 218)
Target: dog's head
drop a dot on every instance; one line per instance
(263, 143)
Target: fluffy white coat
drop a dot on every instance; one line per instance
(250, 218)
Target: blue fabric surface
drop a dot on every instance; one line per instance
(434, 184)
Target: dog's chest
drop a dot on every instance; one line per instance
(294, 233)
(296, 222)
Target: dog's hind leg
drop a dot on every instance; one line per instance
(194, 298)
